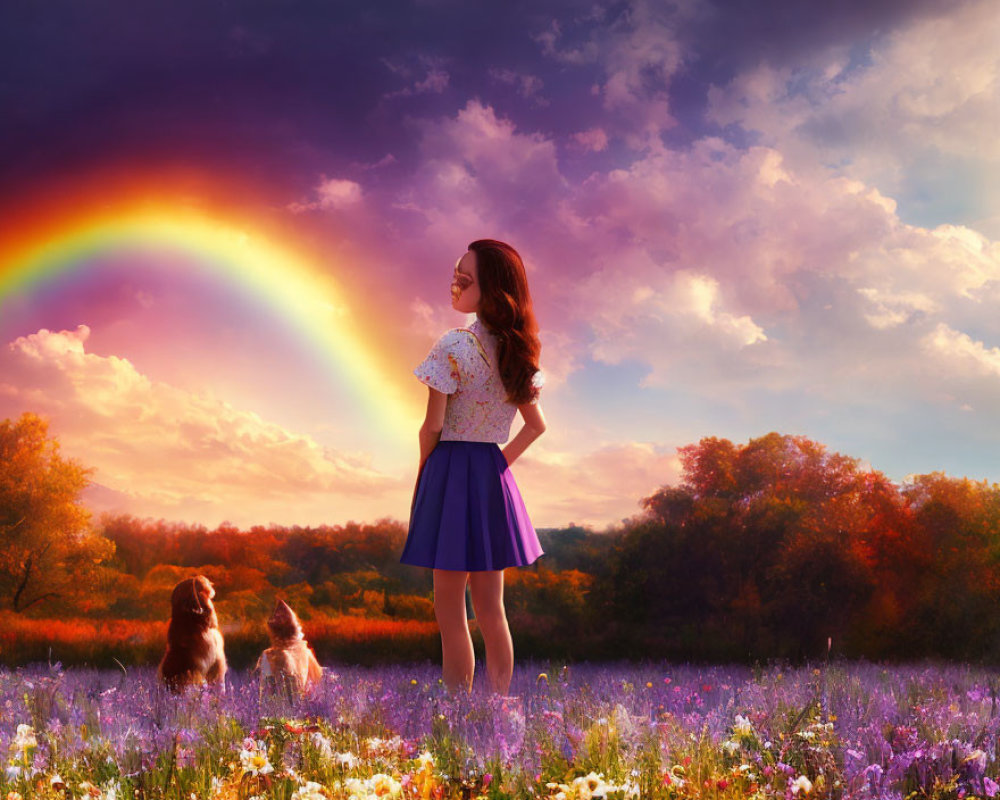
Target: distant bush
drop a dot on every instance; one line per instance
(97, 643)
(410, 606)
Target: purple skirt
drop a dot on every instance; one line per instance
(468, 513)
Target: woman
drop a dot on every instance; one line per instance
(467, 520)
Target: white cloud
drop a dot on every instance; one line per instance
(667, 317)
(475, 170)
(549, 38)
(594, 487)
(593, 139)
(332, 194)
(961, 352)
(528, 86)
(638, 52)
(919, 116)
(167, 448)
(435, 80)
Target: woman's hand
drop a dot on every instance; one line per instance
(534, 426)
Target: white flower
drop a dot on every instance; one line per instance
(111, 790)
(730, 746)
(591, 785)
(310, 791)
(24, 738)
(742, 726)
(348, 760)
(386, 785)
(377, 786)
(803, 784)
(322, 743)
(255, 762)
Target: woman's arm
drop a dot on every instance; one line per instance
(534, 426)
(430, 431)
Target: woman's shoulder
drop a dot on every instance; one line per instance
(453, 335)
(457, 341)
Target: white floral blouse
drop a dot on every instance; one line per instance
(477, 409)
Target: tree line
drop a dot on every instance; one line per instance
(769, 549)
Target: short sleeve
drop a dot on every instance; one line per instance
(440, 369)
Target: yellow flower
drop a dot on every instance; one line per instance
(385, 785)
(255, 762)
(426, 760)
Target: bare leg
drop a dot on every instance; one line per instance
(487, 600)
(457, 656)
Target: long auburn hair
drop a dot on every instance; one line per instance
(506, 310)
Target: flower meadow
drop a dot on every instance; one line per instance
(622, 730)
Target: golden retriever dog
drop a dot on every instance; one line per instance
(289, 664)
(194, 642)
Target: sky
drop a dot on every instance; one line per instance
(229, 230)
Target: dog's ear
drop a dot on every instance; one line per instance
(283, 623)
(206, 586)
(185, 598)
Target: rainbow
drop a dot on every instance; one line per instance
(303, 295)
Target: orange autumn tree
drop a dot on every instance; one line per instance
(764, 549)
(50, 557)
(957, 534)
